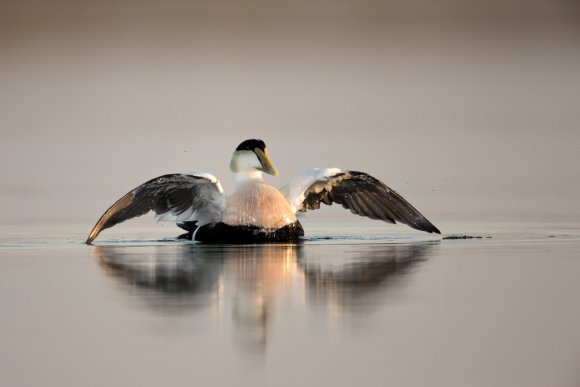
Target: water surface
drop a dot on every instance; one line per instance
(347, 307)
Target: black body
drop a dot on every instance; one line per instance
(247, 234)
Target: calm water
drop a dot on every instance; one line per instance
(361, 308)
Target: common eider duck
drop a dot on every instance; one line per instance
(257, 212)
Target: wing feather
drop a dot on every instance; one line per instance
(358, 192)
(371, 209)
(174, 197)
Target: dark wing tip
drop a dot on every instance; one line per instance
(430, 228)
(107, 219)
(94, 233)
(423, 224)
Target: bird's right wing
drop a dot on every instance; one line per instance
(359, 192)
(175, 197)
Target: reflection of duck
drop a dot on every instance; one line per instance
(256, 211)
(249, 280)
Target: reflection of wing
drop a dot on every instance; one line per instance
(359, 192)
(368, 269)
(174, 271)
(175, 197)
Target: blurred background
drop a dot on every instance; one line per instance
(470, 109)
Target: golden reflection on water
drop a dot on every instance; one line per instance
(249, 283)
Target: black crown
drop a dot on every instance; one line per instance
(251, 145)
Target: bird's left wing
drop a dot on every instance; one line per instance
(173, 197)
(359, 192)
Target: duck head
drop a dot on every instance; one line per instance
(251, 156)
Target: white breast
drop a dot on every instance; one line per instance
(258, 204)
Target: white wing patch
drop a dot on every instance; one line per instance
(210, 177)
(294, 191)
(212, 212)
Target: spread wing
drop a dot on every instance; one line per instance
(174, 197)
(359, 192)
